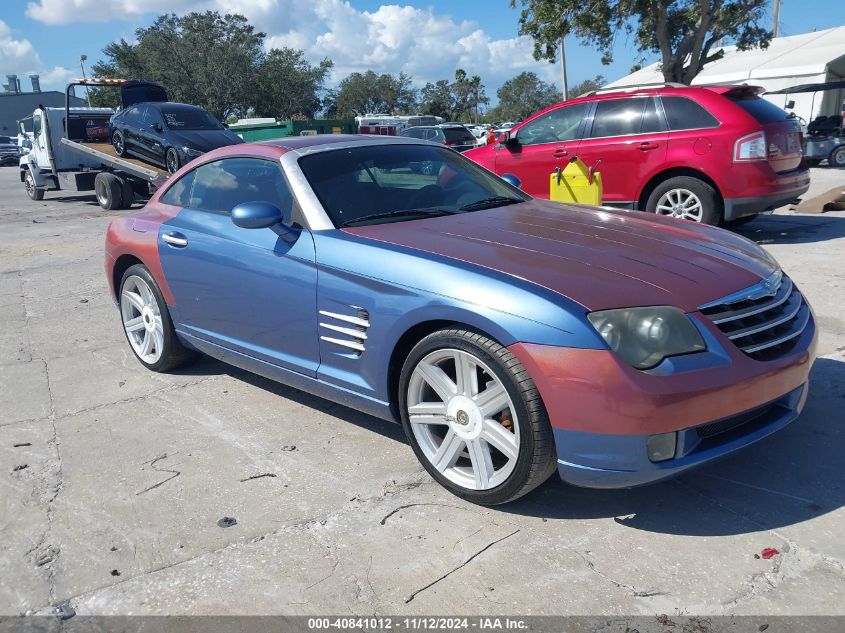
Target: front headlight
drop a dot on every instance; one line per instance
(192, 153)
(643, 337)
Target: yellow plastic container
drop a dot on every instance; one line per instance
(575, 183)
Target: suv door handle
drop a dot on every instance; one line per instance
(648, 145)
(560, 152)
(175, 239)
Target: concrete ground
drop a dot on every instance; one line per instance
(113, 479)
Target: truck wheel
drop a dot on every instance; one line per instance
(837, 157)
(118, 143)
(127, 193)
(171, 159)
(108, 190)
(31, 190)
(685, 197)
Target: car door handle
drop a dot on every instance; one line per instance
(647, 145)
(561, 152)
(175, 239)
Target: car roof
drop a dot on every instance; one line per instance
(320, 142)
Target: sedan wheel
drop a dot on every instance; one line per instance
(172, 161)
(680, 203)
(146, 321)
(474, 417)
(118, 144)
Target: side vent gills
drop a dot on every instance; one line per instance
(345, 330)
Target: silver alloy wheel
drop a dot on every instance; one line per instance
(463, 419)
(142, 319)
(29, 184)
(680, 203)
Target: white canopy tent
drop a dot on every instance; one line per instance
(788, 61)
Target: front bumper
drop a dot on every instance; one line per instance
(603, 411)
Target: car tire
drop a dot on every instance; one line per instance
(127, 193)
(146, 322)
(507, 431)
(119, 143)
(686, 197)
(837, 157)
(108, 190)
(171, 160)
(32, 191)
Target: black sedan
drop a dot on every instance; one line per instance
(168, 134)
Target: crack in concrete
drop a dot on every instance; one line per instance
(152, 463)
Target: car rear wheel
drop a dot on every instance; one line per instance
(687, 198)
(32, 191)
(171, 159)
(837, 157)
(118, 143)
(474, 418)
(146, 322)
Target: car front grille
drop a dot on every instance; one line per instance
(764, 320)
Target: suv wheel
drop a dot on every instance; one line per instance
(687, 198)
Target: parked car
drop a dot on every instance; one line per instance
(512, 337)
(705, 154)
(9, 151)
(458, 137)
(168, 134)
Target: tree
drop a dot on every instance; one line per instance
(201, 58)
(467, 94)
(588, 85)
(436, 99)
(371, 93)
(682, 32)
(524, 95)
(288, 85)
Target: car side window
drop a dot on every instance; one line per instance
(618, 117)
(652, 121)
(222, 185)
(132, 115)
(686, 114)
(561, 124)
(179, 193)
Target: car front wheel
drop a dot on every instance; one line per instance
(171, 159)
(837, 157)
(685, 198)
(474, 418)
(118, 143)
(146, 322)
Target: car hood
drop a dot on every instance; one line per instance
(600, 258)
(205, 140)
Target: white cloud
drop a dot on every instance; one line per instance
(393, 38)
(18, 56)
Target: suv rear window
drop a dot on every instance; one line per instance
(458, 134)
(686, 114)
(762, 110)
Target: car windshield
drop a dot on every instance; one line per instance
(375, 184)
(189, 119)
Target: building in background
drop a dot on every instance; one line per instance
(788, 61)
(16, 104)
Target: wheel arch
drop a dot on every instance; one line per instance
(406, 342)
(121, 265)
(674, 172)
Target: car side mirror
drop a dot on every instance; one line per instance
(509, 139)
(512, 180)
(256, 215)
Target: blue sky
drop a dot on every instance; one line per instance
(426, 39)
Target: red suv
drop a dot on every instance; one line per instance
(708, 154)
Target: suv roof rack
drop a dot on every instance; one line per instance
(632, 87)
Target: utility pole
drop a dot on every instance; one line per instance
(82, 59)
(775, 18)
(563, 68)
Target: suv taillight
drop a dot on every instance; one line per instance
(751, 147)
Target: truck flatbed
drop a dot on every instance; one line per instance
(104, 152)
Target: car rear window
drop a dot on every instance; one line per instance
(762, 110)
(456, 134)
(686, 114)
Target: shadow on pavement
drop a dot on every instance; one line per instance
(792, 229)
(789, 477)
